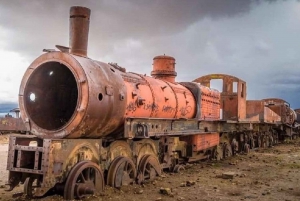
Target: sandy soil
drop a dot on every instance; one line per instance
(268, 174)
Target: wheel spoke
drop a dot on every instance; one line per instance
(82, 177)
(126, 166)
(88, 174)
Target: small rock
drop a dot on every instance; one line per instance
(139, 192)
(183, 184)
(190, 183)
(180, 198)
(250, 197)
(165, 191)
(158, 199)
(228, 175)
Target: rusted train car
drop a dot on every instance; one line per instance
(95, 124)
(12, 124)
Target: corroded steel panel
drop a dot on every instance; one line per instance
(255, 110)
(52, 159)
(11, 124)
(282, 109)
(210, 104)
(155, 98)
(233, 103)
(202, 141)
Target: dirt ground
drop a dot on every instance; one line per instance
(266, 174)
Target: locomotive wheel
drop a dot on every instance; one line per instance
(85, 178)
(252, 143)
(217, 153)
(178, 168)
(149, 168)
(29, 189)
(246, 148)
(227, 150)
(121, 172)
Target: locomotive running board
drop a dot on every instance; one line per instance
(145, 128)
(155, 127)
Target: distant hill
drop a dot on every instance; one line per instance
(6, 107)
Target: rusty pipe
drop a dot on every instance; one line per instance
(79, 30)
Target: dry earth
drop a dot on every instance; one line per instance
(267, 174)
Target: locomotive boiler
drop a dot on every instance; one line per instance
(94, 124)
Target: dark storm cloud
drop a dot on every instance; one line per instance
(34, 25)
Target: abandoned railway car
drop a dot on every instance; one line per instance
(94, 124)
(12, 124)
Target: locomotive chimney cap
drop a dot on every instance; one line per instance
(164, 57)
(80, 11)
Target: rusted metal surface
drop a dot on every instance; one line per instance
(256, 111)
(164, 68)
(116, 149)
(49, 161)
(201, 142)
(145, 128)
(155, 98)
(298, 115)
(122, 172)
(283, 109)
(79, 30)
(233, 103)
(10, 124)
(149, 168)
(85, 179)
(78, 95)
(210, 104)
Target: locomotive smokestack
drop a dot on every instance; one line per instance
(164, 68)
(79, 30)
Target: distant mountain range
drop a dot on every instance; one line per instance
(6, 107)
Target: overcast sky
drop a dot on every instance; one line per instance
(257, 41)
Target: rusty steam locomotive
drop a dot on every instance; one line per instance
(94, 124)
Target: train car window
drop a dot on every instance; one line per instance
(243, 90)
(217, 84)
(235, 87)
